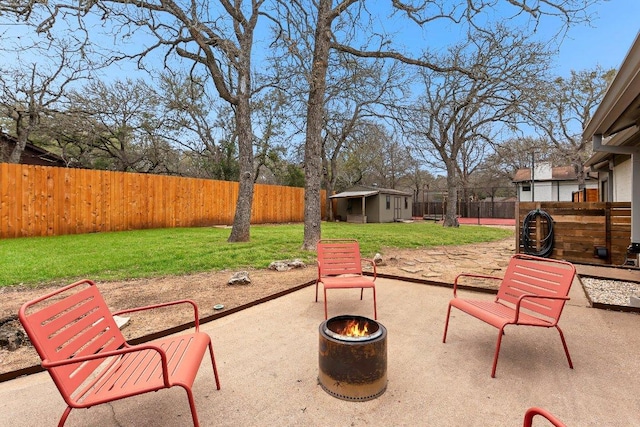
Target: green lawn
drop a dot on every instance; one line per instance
(148, 253)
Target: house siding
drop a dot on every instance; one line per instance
(621, 181)
(551, 191)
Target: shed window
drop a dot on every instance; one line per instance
(388, 202)
(406, 203)
(526, 188)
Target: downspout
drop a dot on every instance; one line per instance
(634, 247)
(610, 182)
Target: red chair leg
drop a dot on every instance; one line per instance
(375, 305)
(446, 324)
(215, 368)
(192, 405)
(495, 357)
(63, 419)
(564, 344)
(325, 304)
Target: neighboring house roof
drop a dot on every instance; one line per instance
(32, 154)
(367, 191)
(559, 173)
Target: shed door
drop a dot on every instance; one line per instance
(397, 208)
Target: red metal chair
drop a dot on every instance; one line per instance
(532, 292)
(532, 412)
(340, 267)
(89, 360)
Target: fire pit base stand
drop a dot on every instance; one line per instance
(362, 394)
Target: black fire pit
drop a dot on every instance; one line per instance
(353, 358)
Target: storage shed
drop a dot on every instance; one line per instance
(364, 204)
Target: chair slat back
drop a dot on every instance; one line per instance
(336, 257)
(71, 322)
(539, 276)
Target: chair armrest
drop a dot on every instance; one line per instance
(532, 412)
(166, 304)
(475, 276)
(106, 354)
(534, 296)
(373, 264)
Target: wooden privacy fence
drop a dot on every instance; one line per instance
(587, 232)
(48, 201)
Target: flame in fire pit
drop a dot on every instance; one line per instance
(354, 328)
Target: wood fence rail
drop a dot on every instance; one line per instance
(48, 201)
(582, 230)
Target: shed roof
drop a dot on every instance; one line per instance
(350, 194)
(366, 192)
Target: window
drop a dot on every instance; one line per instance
(388, 202)
(526, 188)
(406, 203)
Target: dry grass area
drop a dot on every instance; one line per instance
(208, 289)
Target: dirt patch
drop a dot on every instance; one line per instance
(209, 289)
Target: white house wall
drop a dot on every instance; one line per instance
(551, 191)
(544, 191)
(622, 182)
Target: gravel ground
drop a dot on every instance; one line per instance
(606, 291)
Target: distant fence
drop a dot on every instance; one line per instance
(586, 232)
(47, 201)
(482, 209)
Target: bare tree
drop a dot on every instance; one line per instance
(121, 126)
(563, 108)
(516, 153)
(356, 94)
(335, 28)
(201, 126)
(214, 37)
(34, 87)
(458, 114)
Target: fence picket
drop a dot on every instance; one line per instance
(45, 200)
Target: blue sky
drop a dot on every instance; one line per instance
(606, 42)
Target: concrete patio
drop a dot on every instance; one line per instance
(268, 363)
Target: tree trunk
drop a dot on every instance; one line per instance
(328, 185)
(22, 134)
(17, 151)
(313, 143)
(450, 218)
(242, 218)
